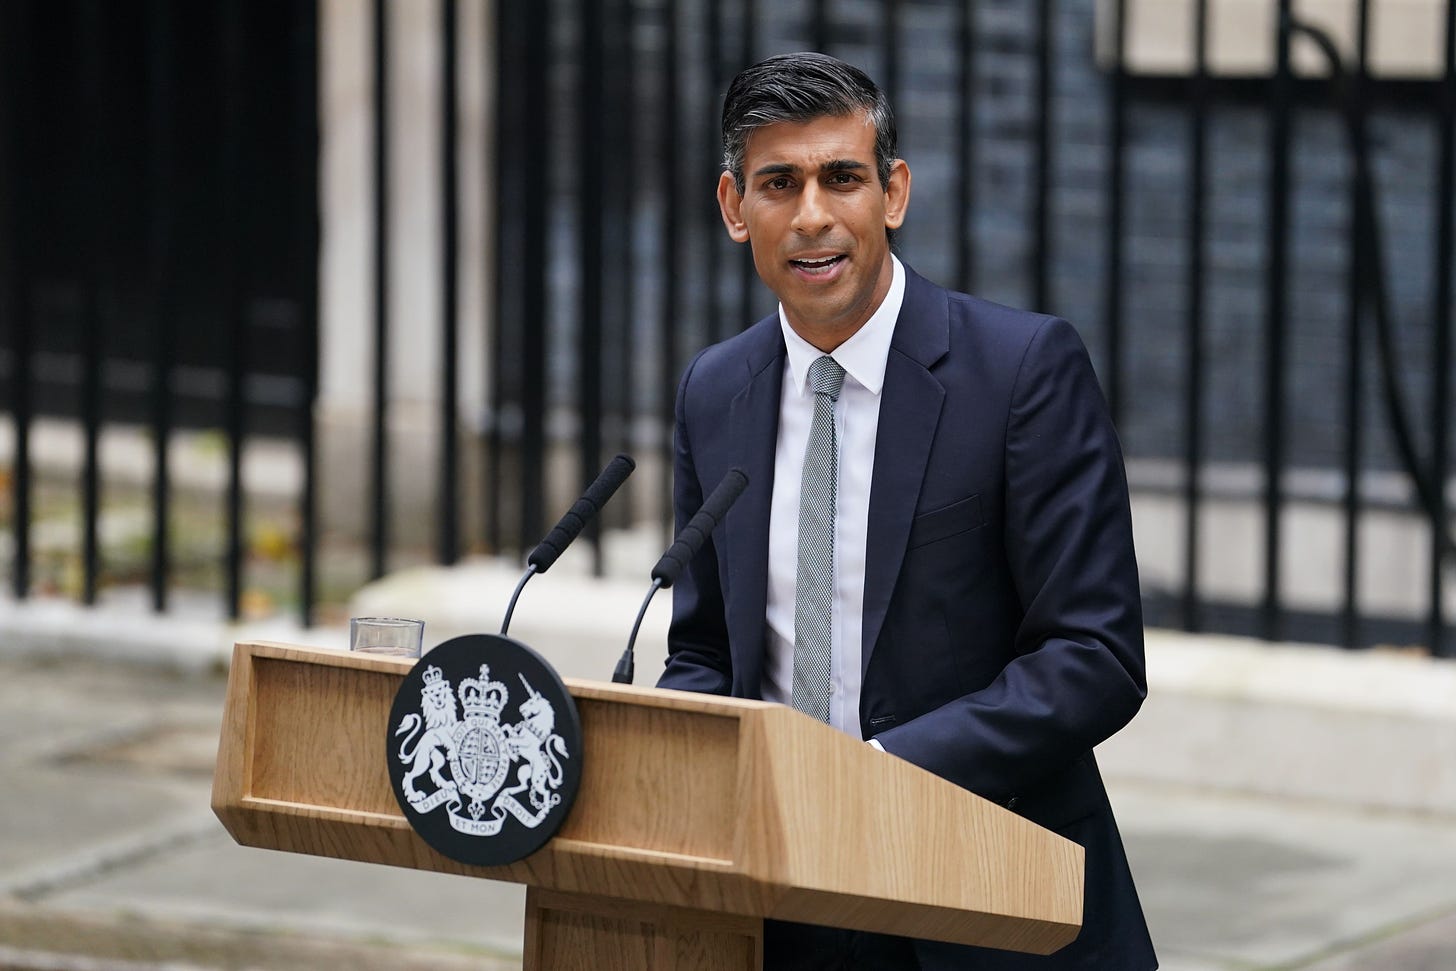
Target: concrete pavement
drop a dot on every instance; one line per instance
(110, 857)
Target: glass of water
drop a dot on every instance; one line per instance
(394, 636)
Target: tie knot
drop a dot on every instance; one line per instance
(826, 377)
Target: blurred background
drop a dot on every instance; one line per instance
(296, 293)
(299, 296)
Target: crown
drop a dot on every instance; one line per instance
(484, 696)
(432, 676)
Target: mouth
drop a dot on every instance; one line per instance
(820, 266)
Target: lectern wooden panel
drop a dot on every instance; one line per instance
(697, 817)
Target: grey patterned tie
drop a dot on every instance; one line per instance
(814, 598)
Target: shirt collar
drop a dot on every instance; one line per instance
(863, 356)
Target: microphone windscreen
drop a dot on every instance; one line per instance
(610, 480)
(696, 532)
(581, 512)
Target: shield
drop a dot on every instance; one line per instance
(479, 762)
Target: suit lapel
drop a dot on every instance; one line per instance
(753, 421)
(909, 415)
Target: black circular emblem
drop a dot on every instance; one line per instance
(484, 749)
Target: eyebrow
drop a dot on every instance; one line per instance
(833, 165)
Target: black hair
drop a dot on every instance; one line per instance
(801, 87)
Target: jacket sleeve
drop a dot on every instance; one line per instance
(1075, 673)
(698, 658)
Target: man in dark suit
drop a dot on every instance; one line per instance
(934, 552)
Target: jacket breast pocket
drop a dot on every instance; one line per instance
(958, 517)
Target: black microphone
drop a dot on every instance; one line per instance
(583, 511)
(704, 521)
(680, 553)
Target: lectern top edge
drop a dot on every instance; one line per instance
(332, 656)
(580, 687)
(664, 697)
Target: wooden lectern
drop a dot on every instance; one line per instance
(697, 818)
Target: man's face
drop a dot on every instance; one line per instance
(815, 214)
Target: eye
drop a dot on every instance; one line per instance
(778, 182)
(843, 178)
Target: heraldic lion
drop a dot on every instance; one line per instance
(440, 720)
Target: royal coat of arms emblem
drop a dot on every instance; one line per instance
(459, 754)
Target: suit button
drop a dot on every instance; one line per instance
(1013, 802)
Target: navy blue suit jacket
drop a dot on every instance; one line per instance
(1002, 620)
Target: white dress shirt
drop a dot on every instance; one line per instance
(856, 422)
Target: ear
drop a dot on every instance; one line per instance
(730, 204)
(897, 194)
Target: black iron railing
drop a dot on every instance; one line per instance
(610, 266)
(160, 218)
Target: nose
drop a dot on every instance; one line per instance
(813, 215)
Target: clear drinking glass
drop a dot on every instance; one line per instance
(394, 636)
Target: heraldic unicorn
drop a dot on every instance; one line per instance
(479, 752)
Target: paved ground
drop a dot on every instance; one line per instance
(111, 859)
